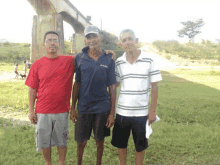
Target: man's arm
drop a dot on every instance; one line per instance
(75, 93)
(32, 98)
(154, 96)
(117, 84)
(112, 92)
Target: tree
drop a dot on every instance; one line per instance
(110, 42)
(191, 29)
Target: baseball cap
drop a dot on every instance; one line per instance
(91, 29)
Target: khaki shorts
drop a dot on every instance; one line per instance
(51, 130)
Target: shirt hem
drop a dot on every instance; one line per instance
(52, 112)
(132, 115)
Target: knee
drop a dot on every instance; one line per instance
(140, 152)
(99, 143)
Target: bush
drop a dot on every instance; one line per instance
(194, 51)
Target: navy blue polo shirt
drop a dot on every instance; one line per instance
(94, 77)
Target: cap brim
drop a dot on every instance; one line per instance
(92, 32)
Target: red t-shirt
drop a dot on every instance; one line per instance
(53, 80)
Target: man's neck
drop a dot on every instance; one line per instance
(51, 55)
(133, 55)
(95, 52)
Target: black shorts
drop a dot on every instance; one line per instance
(122, 128)
(88, 122)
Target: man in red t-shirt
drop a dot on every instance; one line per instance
(51, 78)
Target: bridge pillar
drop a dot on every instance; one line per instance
(41, 24)
(78, 42)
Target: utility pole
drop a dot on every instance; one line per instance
(101, 25)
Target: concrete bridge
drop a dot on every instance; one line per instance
(50, 16)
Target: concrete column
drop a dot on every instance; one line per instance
(61, 33)
(73, 48)
(34, 49)
(78, 42)
(42, 24)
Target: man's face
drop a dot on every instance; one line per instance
(93, 41)
(51, 43)
(128, 43)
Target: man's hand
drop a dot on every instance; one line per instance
(151, 117)
(110, 121)
(33, 118)
(73, 116)
(112, 53)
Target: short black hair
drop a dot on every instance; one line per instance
(50, 32)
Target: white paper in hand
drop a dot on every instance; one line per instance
(149, 129)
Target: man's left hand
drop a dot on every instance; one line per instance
(151, 117)
(112, 53)
(110, 121)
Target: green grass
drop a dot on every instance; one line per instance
(9, 67)
(188, 132)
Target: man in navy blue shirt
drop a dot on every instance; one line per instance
(95, 72)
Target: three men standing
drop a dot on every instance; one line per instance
(51, 78)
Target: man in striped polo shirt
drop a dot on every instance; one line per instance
(138, 73)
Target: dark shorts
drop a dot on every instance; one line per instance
(122, 128)
(88, 122)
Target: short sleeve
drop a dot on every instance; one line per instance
(77, 69)
(111, 78)
(33, 78)
(118, 79)
(154, 73)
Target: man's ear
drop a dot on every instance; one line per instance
(43, 44)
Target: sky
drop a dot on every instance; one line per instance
(150, 19)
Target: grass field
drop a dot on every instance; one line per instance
(188, 132)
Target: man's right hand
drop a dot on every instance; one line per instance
(33, 118)
(73, 115)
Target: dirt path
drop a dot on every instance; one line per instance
(6, 76)
(16, 118)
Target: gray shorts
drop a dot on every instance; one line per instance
(51, 130)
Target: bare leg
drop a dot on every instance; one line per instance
(80, 150)
(139, 157)
(100, 149)
(62, 154)
(47, 155)
(122, 153)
